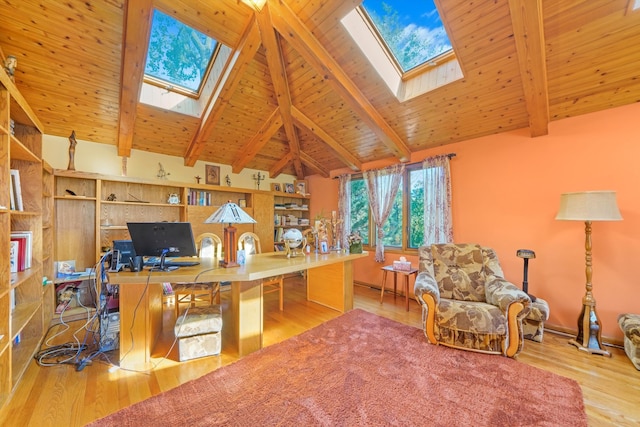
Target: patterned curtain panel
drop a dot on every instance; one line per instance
(344, 209)
(438, 224)
(382, 187)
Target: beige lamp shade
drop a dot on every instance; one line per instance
(230, 213)
(589, 206)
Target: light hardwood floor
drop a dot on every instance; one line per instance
(61, 396)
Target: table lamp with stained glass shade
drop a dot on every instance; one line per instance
(589, 206)
(230, 213)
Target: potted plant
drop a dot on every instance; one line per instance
(355, 242)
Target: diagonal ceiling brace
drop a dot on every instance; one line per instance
(280, 84)
(222, 93)
(294, 31)
(253, 147)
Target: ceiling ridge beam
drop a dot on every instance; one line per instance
(137, 27)
(232, 74)
(528, 32)
(342, 153)
(292, 29)
(258, 141)
(280, 83)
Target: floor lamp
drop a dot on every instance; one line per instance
(230, 213)
(589, 206)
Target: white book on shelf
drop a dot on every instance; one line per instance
(29, 246)
(17, 189)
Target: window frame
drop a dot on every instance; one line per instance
(406, 204)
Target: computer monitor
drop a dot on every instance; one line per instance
(161, 239)
(125, 250)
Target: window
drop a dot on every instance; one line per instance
(412, 31)
(405, 226)
(179, 57)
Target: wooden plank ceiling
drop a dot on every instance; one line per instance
(299, 96)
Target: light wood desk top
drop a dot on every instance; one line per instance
(258, 266)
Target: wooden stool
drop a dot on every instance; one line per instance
(405, 273)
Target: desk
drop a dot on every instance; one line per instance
(329, 282)
(405, 273)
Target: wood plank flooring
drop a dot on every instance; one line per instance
(61, 396)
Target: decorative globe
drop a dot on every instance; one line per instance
(293, 238)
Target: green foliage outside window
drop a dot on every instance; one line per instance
(178, 54)
(395, 236)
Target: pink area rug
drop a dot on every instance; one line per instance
(362, 369)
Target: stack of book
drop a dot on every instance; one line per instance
(20, 251)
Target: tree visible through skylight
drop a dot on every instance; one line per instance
(413, 31)
(178, 55)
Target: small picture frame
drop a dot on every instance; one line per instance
(289, 188)
(242, 203)
(212, 175)
(324, 246)
(301, 186)
(276, 187)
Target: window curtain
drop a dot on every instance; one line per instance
(344, 209)
(382, 187)
(438, 223)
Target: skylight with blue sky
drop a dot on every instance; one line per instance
(413, 31)
(178, 56)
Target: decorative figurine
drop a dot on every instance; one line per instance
(198, 178)
(227, 180)
(161, 172)
(72, 151)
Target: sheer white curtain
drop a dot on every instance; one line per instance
(438, 223)
(382, 187)
(344, 209)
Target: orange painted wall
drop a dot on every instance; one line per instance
(506, 191)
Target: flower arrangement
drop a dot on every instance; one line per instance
(355, 242)
(354, 238)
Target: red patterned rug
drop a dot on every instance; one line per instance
(362, 369)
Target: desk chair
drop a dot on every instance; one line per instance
(250, 243)
(209, 246)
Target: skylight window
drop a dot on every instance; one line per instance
(179, 57)
(412, 31)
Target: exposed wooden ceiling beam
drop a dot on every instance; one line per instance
(313, 165)
(292, 29)
(528, 32)
(280, 84)
(222, 93)
(279, 166)
(345, 156)
(137, 26)
(253, 147)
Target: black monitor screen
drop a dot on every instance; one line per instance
(172, 239)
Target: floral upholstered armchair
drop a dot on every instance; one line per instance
(466, 302)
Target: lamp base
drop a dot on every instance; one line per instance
(229, 264)
(590, 341)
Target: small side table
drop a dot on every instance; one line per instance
(405, 273)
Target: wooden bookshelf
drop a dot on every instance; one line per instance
(21, 293)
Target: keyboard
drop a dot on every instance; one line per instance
(181, 263)
(168, 262)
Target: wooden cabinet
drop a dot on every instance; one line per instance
(290, 211)
(21, 310)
